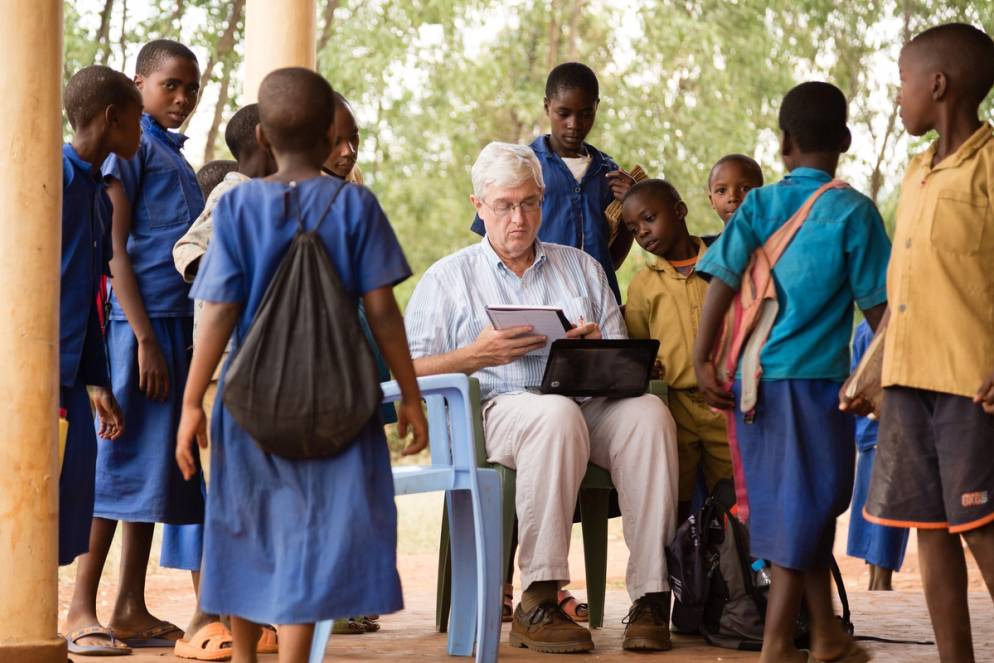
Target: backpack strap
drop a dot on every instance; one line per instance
(777, 243)
(288, 194)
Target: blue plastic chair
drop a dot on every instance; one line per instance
(473, 503)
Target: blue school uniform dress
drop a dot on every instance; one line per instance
(798, 452)
(878, 545)
(86, 250)
(137, 476)
(290, 541)
(573, 212)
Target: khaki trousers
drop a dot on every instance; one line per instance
(549, 440)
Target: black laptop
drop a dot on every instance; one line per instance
(607, 368)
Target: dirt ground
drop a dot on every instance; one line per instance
(410, 636)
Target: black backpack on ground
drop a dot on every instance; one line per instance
(304, 382)
(717, 593)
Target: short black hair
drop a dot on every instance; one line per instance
(155, 52)
(815, 114)
(296, 106)
(239, 135)
(964, 53)
(653, 187)
(746, 161)
(92, 89)
(570, 76)
(213, 172)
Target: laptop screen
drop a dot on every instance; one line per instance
(613, 369)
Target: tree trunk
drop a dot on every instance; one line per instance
(103, 33)
(176, 20)
(554, 35)
(574, 22)
(329, 20)
(224, 46)
(123, 42)
(222, 101)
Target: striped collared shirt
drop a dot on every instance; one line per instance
(448, 308)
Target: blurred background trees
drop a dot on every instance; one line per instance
(432, 81)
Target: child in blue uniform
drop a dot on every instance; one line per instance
(149, 333)
(580, 180)
(286, 541)
(104, 109)
(881, 547)
(798, 452)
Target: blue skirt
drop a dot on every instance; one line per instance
(76, 480)
(137, 477)
(878, 545)
(182, 547)
(294, 542)
(798, 457)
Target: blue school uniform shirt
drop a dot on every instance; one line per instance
(252, 234)
(165, 199)
(839, 255)
(573, 212)
(86, 250)
(866, 429)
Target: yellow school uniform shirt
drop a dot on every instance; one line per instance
(666, 305)
(940, 281)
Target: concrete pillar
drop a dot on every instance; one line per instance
(277, 34)
(30, 236)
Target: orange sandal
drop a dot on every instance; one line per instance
(210, 643)
(269, 642)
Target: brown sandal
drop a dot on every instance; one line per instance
(578, 612)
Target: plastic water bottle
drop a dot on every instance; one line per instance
(762, 572)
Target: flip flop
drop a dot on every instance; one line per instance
(95, 650)
(578, 612)
(211, 643)
(269, 642)
(152, 636)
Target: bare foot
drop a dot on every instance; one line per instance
(792, 655)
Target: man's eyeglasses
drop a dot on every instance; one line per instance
(502, 208)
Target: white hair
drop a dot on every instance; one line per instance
(505, 165)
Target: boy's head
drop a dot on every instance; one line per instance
(656, 215)
(813, 121)
(952, 63)
(571, 98)
(345, 148)
(107, 100)
(212, 172)
(239, 135)
(296, 111)
(168, 76)
(730, 179)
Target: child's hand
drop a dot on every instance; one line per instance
(658, 371)
(410, 415)
(707, 383)
(985, 395)
(108, 411)
(620, 182)
(192, 426)
(857, 405)
(153, 375)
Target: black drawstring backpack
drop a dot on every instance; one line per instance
(304, 382)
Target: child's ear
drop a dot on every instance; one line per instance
(846, 142)
(545, 105)
(260, 137)
(681, 210)
(786, 143)
(139, 81)
(940, 84)
(112, 116)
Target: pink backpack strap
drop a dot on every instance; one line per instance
(780, 240)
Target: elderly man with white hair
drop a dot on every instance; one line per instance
(549, 439)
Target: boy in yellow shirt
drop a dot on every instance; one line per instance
(933, 469)
(664, 303)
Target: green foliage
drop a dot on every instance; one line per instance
(682, 83)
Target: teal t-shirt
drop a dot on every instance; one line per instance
(838, 256)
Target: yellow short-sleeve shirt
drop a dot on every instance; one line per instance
(940, 281)
(666, 305)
